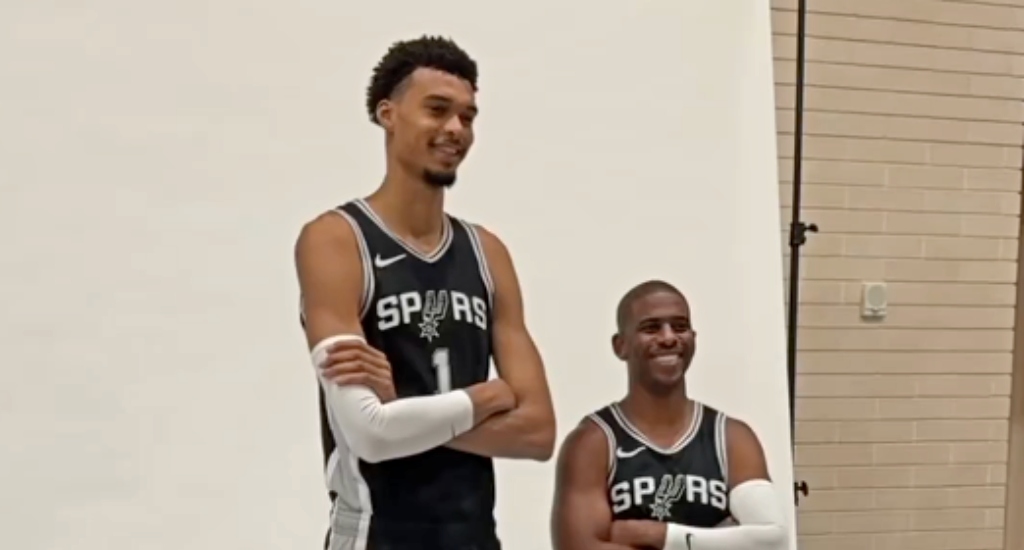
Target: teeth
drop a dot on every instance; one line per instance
(666, 360)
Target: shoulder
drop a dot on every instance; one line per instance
(732, 434)
(727, 423)
(328, 229)
(733, 428)
(326, 237)
(583, 444)
(498, 262)
(743, 454)
(492, 245)
(738, 431)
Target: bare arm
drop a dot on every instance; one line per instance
(330, 272)
(744, 455)
(752, 502)
(581, 516)
(528, 430)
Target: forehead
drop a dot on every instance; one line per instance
(660, 304)
(425, 83)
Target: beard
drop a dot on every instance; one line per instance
(439, 179)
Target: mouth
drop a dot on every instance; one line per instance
(668, 360)
(447, 152)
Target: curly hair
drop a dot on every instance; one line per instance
(404, 57)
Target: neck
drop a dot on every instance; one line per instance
(667, 408)
(409, 206)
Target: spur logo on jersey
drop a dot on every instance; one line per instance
(435, 307)
(661, 495)
(429, 309)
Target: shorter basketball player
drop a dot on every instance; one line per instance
(673, 470)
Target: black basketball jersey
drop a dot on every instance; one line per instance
(430, 314)
(684, 484)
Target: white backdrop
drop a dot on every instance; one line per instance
(158, 159)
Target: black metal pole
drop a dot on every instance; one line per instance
(797, 229)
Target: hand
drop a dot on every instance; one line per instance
(638, 533)
(354, 363)
(490, 398)
(506, 398)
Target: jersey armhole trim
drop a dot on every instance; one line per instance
(481, 259)
(369, 282)
(610, 436)
(722, 445)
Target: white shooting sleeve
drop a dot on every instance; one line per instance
(755, 506)
(378, 431)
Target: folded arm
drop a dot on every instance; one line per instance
(753, 503)
(581, 517)
(329, 266)
(528, 430)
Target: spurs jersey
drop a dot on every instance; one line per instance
(685, 483)
(430, 314)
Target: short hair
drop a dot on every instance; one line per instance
(639, 291)
(405, 56)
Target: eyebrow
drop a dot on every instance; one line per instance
(664, 319)
(445, 99)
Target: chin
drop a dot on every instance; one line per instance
(439, 178)
(671, 380)
(668, 375)
(665, 385)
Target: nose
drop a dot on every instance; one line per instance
(454, 125)
(667, 337)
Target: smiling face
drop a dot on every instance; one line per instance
(656, 340)
(430, 124)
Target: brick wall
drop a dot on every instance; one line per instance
(912, 171)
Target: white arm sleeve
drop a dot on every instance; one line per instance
(376, 431)
(756, 508)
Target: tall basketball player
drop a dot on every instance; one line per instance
(658, 469)
(404, 307)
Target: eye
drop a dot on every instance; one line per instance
(681, 327)
(650, 328)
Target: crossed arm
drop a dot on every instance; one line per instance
(528, 430)
(582, 518)
(330, 274)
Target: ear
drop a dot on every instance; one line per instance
(619, 346)
(386, 114)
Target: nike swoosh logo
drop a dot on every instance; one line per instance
(619, 453)
(381, 263)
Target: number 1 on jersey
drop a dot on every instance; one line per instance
(443, 370)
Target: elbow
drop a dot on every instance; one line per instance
(540, 440)
(774, 537)
(367, 450)
(769, 536)
(372, 447)
(536, 448)
(544, 444)
(774, 533)
(781, 534)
